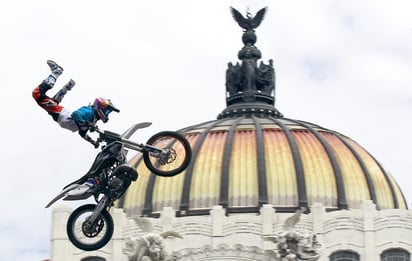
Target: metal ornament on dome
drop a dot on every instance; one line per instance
(250, 89)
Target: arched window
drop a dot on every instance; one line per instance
(345, 255)
(93, 258)
(395, 254)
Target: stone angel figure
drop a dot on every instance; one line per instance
(148, 247)
(291, 221)
(292, 245)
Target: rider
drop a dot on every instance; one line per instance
(81, 120)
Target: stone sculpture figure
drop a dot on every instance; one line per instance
(249, 56)
(266, 78)
(248, 80)
(293, 246)
(148, 247)
(233, 78)
(248, 77)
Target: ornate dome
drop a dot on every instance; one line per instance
(244, 162)
(252, 155)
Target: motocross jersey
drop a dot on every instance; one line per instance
(82, 117)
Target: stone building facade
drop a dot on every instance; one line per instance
(260, 186)
(365, 234)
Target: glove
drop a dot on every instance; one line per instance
(95, 144)
(92, 128)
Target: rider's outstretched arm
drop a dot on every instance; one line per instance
(93, 142)
(83, 133)
(83, 118)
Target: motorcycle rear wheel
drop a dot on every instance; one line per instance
(179, 156)
(85, 237)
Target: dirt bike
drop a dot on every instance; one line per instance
(90, 227)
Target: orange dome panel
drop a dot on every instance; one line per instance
(242, 163)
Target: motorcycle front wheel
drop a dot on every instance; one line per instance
(174, 157)
(87, 236)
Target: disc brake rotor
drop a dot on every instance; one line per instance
(92, 230)
(167, 157)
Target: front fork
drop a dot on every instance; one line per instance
(98, 210)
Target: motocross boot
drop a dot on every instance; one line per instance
(56, 69)
(48, 83)
(58, 97)
(92, 183)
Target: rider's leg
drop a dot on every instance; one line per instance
(60, 94)
(48, 83)
(39, 93)
(92, 182)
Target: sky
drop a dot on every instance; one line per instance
(344, 65)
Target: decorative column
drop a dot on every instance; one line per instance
(368, 211)
(318, 216)
(217, 215)
(267, 213)
(119, 219)
(62, 250)
(166, 218)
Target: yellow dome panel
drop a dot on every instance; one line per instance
(242, 163)
(319, 176)
(282, 189)
(205, 185)
(243, 189)
(355, 184)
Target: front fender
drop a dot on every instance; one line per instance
(71, 192)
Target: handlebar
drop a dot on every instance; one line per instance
(109, 137)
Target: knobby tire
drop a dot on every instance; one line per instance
(176, 138)
(108, 222)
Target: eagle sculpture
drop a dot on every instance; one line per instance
(249, 23)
